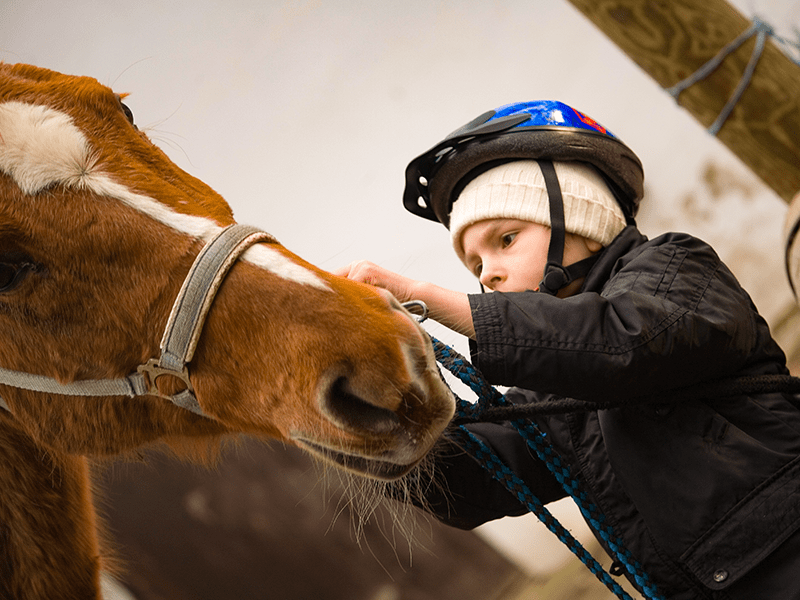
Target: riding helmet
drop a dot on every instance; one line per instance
(542, 129)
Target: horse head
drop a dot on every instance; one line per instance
(98, 230)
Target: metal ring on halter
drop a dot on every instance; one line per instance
(413, 306)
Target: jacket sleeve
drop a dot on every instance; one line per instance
(670, 315)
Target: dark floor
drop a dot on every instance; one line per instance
(259, 526)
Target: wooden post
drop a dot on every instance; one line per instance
(671, 39)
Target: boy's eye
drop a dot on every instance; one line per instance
(477, 270)
(508, 238)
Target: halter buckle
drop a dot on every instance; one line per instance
(417, 308)
(152, 370)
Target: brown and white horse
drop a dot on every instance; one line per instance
(98, 230)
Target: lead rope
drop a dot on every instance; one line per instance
(488, 397)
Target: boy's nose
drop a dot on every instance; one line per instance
(491, 277)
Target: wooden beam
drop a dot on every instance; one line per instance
(671, 39)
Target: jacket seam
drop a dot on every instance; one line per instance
(701, 290)
(673, 273)
(665, 323)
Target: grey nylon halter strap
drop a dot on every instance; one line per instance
(180, 335)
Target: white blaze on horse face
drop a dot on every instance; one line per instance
(40, 147)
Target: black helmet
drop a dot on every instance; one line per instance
(542, 130)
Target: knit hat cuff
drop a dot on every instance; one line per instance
(517, 190)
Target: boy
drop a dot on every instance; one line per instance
(540, 201)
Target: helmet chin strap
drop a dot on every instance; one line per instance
(556, 275)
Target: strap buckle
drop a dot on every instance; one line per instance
(417, 308)
(152, 370)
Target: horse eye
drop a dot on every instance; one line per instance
(12, 275)
(128, 112)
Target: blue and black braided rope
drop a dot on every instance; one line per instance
(489, 398)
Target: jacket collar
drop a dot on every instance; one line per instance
(627, 240)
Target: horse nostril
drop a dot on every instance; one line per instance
(350, 411)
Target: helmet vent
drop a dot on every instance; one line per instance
(443, 152)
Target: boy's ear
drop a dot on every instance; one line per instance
(593, 246)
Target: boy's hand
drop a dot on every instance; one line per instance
(367, 272)
(448, 307)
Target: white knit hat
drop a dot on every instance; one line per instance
(516, 190)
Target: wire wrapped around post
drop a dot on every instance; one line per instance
(762, 31)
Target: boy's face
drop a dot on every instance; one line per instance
(508, 255)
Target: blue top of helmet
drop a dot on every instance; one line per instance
(540, 129)
(545, 113)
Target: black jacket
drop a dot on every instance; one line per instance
(705, 494)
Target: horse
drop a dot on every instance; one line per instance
(105, 247)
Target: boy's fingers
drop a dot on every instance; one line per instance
(352, 270)
(360, 270)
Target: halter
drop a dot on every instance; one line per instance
(180, 337)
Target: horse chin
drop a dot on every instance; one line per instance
(365, 467)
